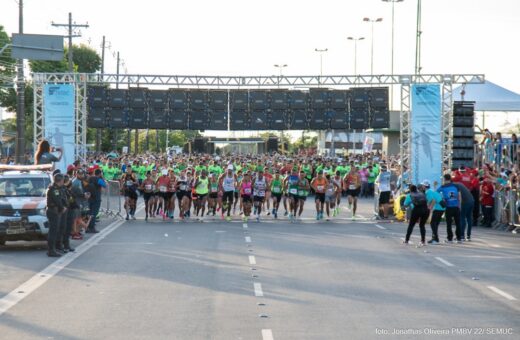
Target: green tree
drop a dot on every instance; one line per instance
(86, 59)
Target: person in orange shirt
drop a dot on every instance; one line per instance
(352, 184)
(319, 184)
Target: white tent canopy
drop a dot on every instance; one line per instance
(489, 97)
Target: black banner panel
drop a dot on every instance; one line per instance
(359, 98)
(218, 120)
(118, 98)
(199, 120)
(299, 120)
(138, 98)
(96, 117)
(239, 120)
(278, 120)
(378, 97)
(339, 119)
(338, 99)
(117, 118)
(179, 99)
(158, 99)
(279, 100)
(177, 120)
(218, 100)
(298, 100)
(359, 119)
(319, 120)
(258, 100)
(380, 118)
(259, 120)
(319, 99)
(158, 119)
(97, 96)
(138, 118)
(198, 100)
(239, 100)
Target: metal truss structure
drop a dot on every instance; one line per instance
(80, 90)
(82, 80)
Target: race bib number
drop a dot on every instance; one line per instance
(129, 183)
(320, 187)
(182, 187)
(162, 188)
(352, 187)
(261, 193)
(277, 190)
(301, 193)
(293, 191)
(247, 191)
(148, 187)
(214, 190)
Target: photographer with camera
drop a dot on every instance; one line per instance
(44, 154)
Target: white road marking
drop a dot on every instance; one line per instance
(244, 225)
(252, 259)
(502, 293)
(248, 239)
(267, 334)
(492, 245)
(35, 282)
(440, 259)
(380, 227)
(258, 289)
(220, 231)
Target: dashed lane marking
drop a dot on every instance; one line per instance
(267, 334)
(258, 289)
(440, 259)
(252, 259)
(248, 239)
(502, 293)
(380, 227)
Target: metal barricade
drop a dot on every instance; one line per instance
(505, 154)
(111, 204)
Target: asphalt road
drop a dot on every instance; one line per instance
(338, 279)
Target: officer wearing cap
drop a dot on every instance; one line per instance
(55, 209)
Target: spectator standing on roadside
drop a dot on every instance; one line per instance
(417, 200)
(95, 185)
(487, 191)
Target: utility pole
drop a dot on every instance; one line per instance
(99, 131)
(418, 40)
(20, 103)
(280, 69)
(321, 51)
(71, 26)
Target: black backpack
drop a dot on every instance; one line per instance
(419, 199)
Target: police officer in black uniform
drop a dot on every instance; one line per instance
(55, 210)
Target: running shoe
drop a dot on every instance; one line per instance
(285, 213)
(275, 214)
(317, 216)
(448, 241)
(433, 242)
(258, 219)
(422, 244)
(228, 218)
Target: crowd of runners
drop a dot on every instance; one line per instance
(249, 186)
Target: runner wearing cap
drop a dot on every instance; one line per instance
(291, 187)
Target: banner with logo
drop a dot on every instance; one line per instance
(59, 120)
(425, 134)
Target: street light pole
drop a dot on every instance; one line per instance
(355, 51)
(280, 70)
(393, 40)
(321, 51)
(372, 22)
(418, 40)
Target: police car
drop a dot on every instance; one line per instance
(23, 202)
